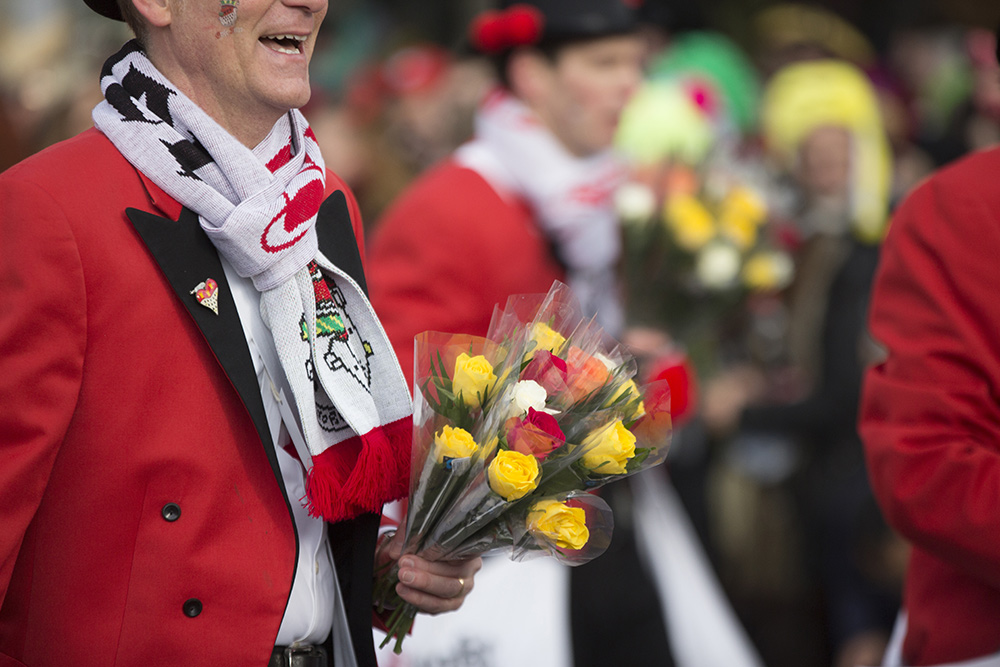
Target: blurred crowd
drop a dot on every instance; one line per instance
(768, 147)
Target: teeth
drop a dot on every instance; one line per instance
(274, 43)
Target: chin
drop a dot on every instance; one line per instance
(290, 101)
(286, 93)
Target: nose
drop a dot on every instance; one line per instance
(311, 6)
(631, 76)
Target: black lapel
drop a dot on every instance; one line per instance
(187, 258)
(336, 238)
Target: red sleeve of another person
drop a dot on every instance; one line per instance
(930, 414)
(447, 251)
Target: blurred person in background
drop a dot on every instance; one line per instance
(689, 134)
(949, 72)
(929, 415)
(526, 202)
(821, 120)
(397, 117)
(530, 200)
(186, 478)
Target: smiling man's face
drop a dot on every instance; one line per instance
(247, 75)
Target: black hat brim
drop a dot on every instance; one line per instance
(108, 8)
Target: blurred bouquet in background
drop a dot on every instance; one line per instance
(510, 434)
(698, 241)
(698, 214)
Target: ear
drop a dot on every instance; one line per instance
(158, 13)
(530, 74)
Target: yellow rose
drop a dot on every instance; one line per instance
(560, 523)
(546, 338)
(454, 443)
(513, 475)
(768, 270)
(609, 450)
(472, 377)
(690, 222)
(739, 229)
(742, 203)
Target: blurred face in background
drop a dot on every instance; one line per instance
(581, 92)
(825, 162)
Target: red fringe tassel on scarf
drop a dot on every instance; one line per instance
(361, 474)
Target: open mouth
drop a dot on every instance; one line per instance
(290, 44)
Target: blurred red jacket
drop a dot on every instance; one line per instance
(449, 250)
(930, 414)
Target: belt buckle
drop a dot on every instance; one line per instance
(305, 656)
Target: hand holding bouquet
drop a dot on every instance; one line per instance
(512, 432)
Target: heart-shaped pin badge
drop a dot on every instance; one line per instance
(207, 294)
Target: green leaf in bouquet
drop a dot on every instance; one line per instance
(636, 462)
(564, 479)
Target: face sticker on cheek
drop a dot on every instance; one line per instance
(227, 12)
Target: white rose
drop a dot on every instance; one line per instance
(718, 265)
(608, 362)
(529, 394)
(635, 202)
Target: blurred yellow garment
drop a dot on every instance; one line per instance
(806, 96)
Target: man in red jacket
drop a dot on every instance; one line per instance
(930, 414)
(528, 200)
(201, 415)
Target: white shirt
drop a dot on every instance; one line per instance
(309, 615)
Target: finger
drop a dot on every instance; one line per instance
(436, 587)
(427, 602)
(453, 569)
(395, 546)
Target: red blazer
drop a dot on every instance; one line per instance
(125, 402)
(931, 412)
(449, 250)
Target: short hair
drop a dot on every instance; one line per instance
(133, 19)
(550, 48)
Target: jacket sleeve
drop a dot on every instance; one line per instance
(930, 413)
(42, 343)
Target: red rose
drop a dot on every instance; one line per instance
(547, 370)
(536, 434)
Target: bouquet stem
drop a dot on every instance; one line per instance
(398, 625)
(400, 620)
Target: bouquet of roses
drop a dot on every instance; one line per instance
(700, 244)
(512, 431)
(703, 232)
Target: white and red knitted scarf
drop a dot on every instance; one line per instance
(571, 197)
(259, 209)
